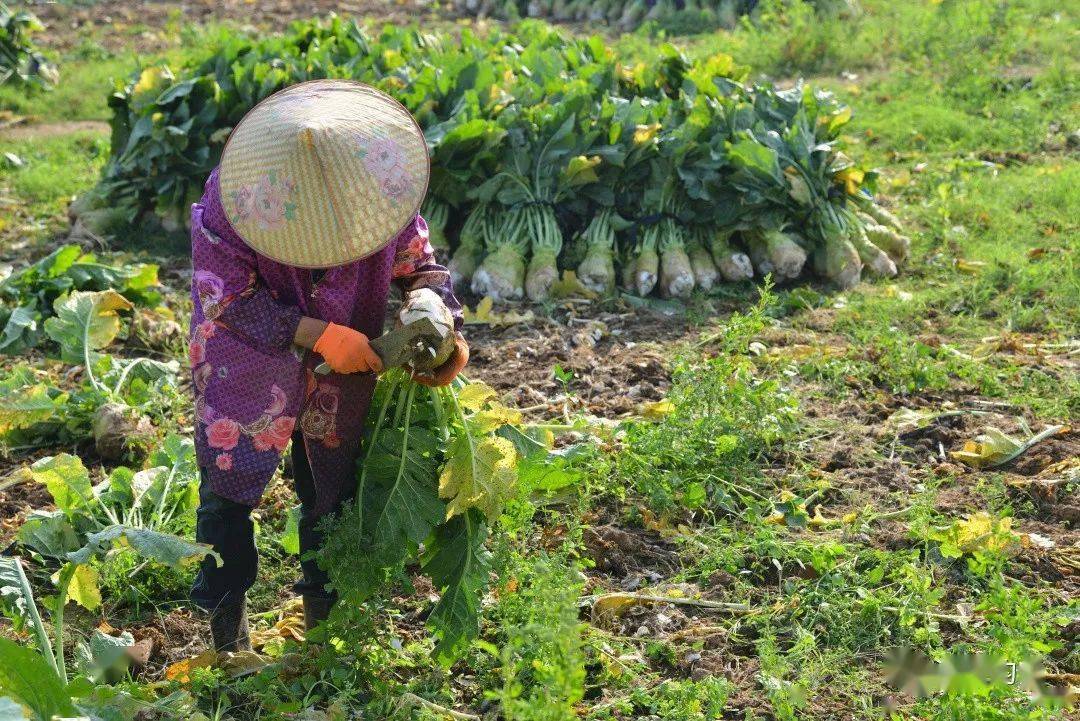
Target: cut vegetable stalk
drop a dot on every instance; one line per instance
(470, 247)
(873, 257)
(546, 244)
(882, 216)
(705, 273)
(435, 212)
(838, 260)
(897, 246)
(502, 274)
(734, 265)
(779, 251)
(597, 271)
(676, 274)
(646, 262)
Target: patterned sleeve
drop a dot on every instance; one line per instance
(415, 268)
(228, 290)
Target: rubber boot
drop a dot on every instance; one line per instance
(229, 628)
(316, 610)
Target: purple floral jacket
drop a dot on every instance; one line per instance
(252, 384)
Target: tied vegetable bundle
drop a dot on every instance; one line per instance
(677, 15)
(548, 154)
(437, 466)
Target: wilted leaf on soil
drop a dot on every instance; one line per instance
(612, 605)
(989, 448)
(569, 286)
(484, 315)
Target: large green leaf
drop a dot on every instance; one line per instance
(26, 678)
(161, 547)
(68, 482)
(85, 321)
(459, 566)
(401, 501)
(20, 329)
(50, 533)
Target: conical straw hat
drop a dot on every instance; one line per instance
(323, 173)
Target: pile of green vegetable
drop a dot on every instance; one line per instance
(20, 61)
(626, 15)
(548, 154)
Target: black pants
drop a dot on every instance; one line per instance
(227, 526)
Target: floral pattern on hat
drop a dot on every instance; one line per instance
(385, 159)
(267, 202)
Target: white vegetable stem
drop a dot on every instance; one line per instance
(777, 251)
(546, 243)
(734, 265)
(597, 271)
(470, 246)
(705, 273)
(676, 275)
(502, 274)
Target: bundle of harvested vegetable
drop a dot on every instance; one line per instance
(437, 467)
(535, 136)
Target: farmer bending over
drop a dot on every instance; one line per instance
(301, 228)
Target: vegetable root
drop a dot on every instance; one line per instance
(705, 273)
(470, 247)
(597, 271)
(733, 265)
(873, 257)
(676, 273)
(838, 260)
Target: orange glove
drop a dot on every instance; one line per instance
(346, 350)
(444, 374)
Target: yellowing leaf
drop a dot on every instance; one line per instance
(480, 474)
(85, 321)
(484, 315)
(969, 266)
(645, 133)
(242, 663)
(495, 415)
(851, 178)
(581, 170)
(181, 670)
(839, 119)
(474, 395)
(83, 587)
(570, 287)
(657, 410)
(148, 80)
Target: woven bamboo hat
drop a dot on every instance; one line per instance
(323, 173)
